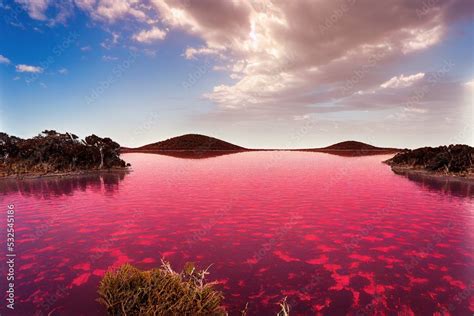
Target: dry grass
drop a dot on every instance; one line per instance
(162, 291)
(129, 291)
(285, 308)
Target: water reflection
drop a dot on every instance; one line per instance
(48, 187)
(448, 185)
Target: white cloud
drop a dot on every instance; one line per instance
(112, 10)
(86, 48)
(282, 53)
(470, 84)
(294, 54)
(192, 53)
(422, 38)
(148, 36)
(36, 8)
(415, 110)
(86, 5)
(28, 68)
(63, 71)
(111, 42)
(4, 60)
(301, 117)
(108, 58)
(402, 81)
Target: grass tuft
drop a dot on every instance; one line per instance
(162, 291)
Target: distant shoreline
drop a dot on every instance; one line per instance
(138, 150)
(203, 143)
(183, 153)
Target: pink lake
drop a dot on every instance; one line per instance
(335, 235)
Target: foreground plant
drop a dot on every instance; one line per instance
(162, 291)
(285, 308)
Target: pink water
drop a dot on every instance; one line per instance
(336, 235)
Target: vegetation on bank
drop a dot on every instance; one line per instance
(163, 291)
(51, 151)
(452, 159)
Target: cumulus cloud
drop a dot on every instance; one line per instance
(301, 117)
(402, 81)
(192, 53)
(148, 36)
(422, 38)
(299, 57)
(112, 10)
(28, 68)
(306, 53)
(108, 58)
(36, 8)
(4, 60)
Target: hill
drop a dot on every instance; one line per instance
(353, 148)
(191, 142)
(352, 145)
(196, 143)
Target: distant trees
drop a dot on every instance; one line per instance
(52, 151)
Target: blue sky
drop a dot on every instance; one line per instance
(257, 74)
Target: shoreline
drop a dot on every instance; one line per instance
(388, 151)
(197, 154)
(438, 175)
(144, 151)
(36, 175)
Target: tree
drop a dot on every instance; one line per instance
(97, 142)
(53, 151)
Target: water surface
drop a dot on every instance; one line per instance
(336, 235)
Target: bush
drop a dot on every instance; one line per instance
(51, 151)
(446, 159)
(162, 291)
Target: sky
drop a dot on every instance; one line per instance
(260, 74)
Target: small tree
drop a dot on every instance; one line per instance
(97, 142)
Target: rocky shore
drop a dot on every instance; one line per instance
(452, 160)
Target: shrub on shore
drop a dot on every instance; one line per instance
(51, 151)
(162, 291)
(457, 159)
